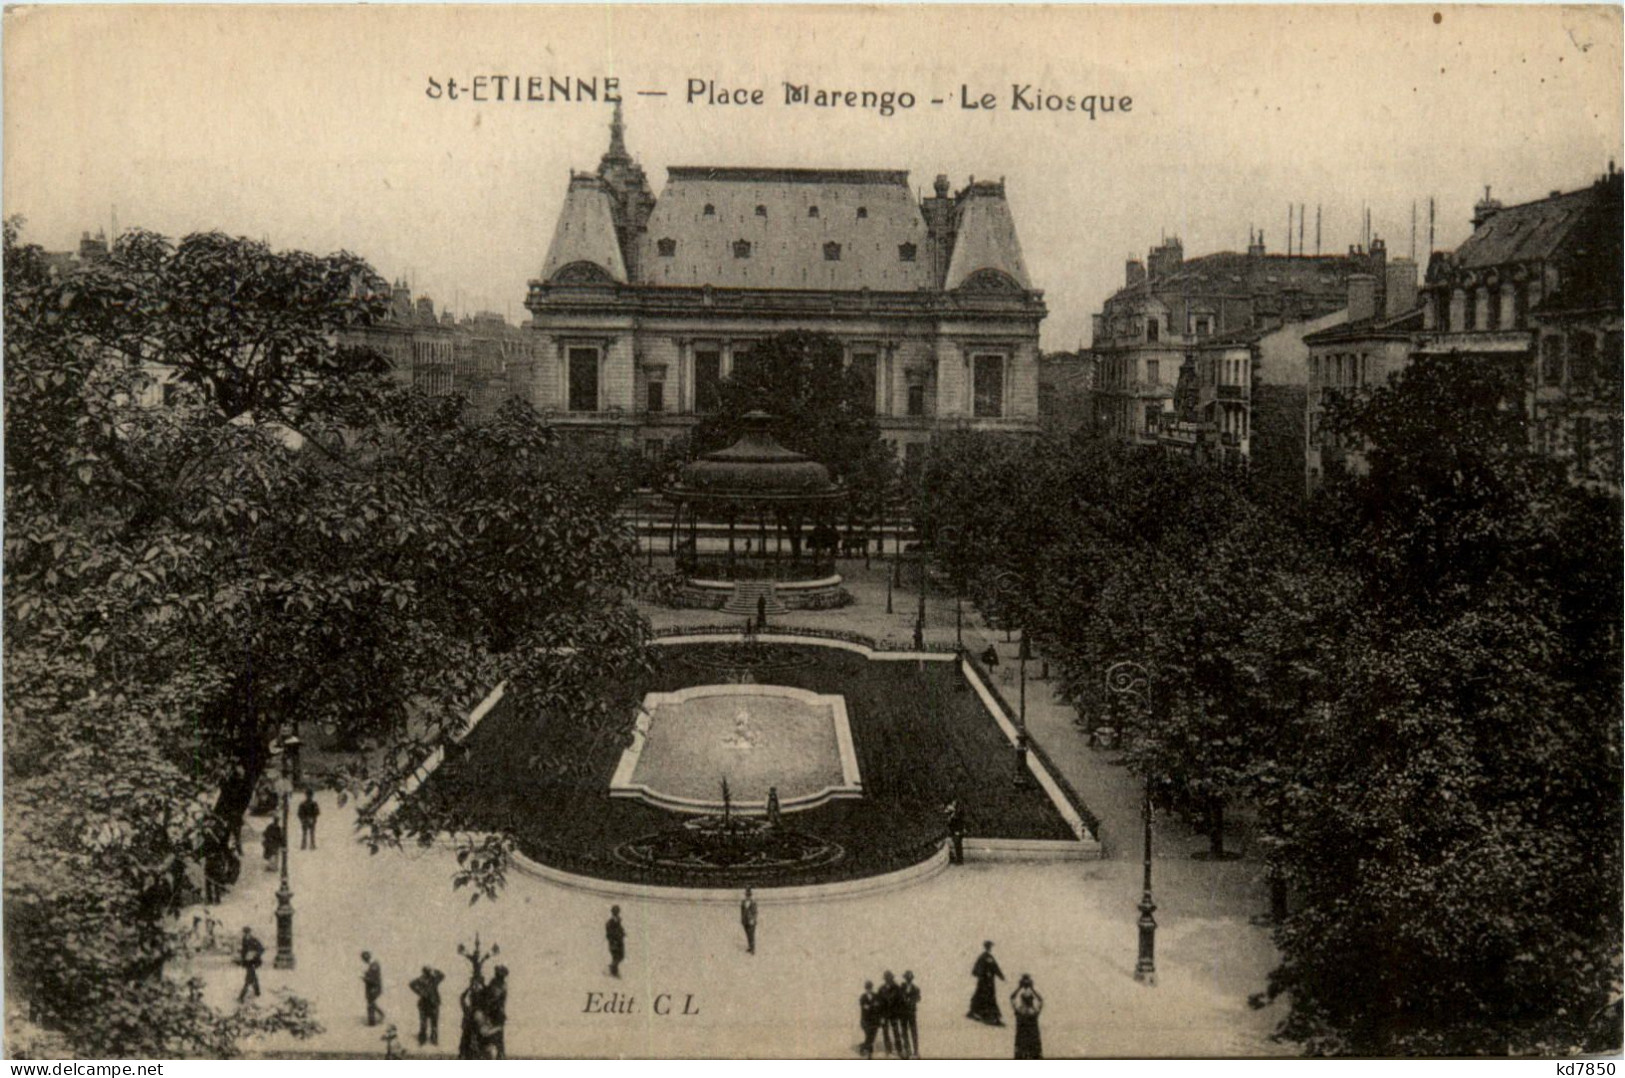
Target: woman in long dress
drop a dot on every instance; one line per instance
(1027, 1005)
(984, 1005)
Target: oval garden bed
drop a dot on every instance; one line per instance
(921, 737)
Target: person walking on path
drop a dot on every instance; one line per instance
(308, 811)
(1027, 1005)
(372, 984)
(868, 1019)
(909, 998)
(271, 843)
(427, 988)
(984, 1005)
(747, 918)
(249, 956)
(615, 933)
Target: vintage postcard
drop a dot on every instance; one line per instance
(899, 531)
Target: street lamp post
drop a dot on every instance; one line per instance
(284, 895)
(1129, 680)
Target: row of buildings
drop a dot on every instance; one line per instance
(1235, 357)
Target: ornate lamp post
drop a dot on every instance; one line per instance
(1129, 680)
(284, 895)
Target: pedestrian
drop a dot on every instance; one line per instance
(990, 657)
(249, 956)
(1027, 1005)
(773, 806)
(868, 1019)
(761, 612)
(891, 1013)
(426, 986)
(984, 1005)
(747, 918)
(956, 833)
(615, 933)
(909, 1000)
(372, 984)
(308, 811)
(271, 843)
(494, 1003)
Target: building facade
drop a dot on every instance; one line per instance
(644, 304)
(1184, 346)
(1537, 288)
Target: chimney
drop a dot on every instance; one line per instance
(1166, 258)
(1486, 208)
(1362, 297)
(1135, 272)
(1255, 246)
(1401, 287)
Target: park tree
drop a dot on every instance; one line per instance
(185, 584)
(1455, 828)
(821, 407)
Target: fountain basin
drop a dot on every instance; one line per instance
(757, 737)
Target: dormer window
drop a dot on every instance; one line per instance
(832, 252)
(906, 252)
(710, 210)
(761, 211)
(863, 212)
(741, 248)
(667, 248)
(812, 211)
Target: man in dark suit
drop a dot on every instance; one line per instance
(249, 956)
(868, 1018)
(308, 811)
(909, 1003)
(427, 988)
(372, 984)
(615, 933)
(747, 918)
(891, 1028)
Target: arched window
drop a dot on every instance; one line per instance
(906, 252)
(710, 210)
(761, 211)
(741, 248)
(812, 211)
(863, 212)
(832, 252)
(666, 247)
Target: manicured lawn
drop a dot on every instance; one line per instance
(922, 738)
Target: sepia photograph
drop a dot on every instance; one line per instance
(786, 531)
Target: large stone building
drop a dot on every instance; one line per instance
(644, 304)
(1537, 288)
(1185, 346)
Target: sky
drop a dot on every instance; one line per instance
(315, 128)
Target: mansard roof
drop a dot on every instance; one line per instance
(1531, 231)
(584, 240)
(869, 214)
(987, 238)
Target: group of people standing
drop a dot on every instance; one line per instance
(1025, 1003)
(484, 1004)
(893, 1012)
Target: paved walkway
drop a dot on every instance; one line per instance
(1072, 926)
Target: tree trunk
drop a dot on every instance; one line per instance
(1215, 834)
(1277, 896)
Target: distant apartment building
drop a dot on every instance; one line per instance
(479, 357)
(1186, 348)
(1537, 288)
(1364, 351)
(644, 304)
